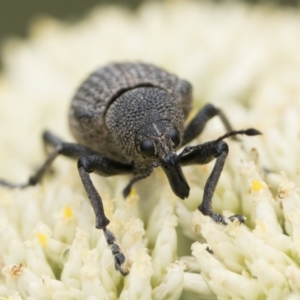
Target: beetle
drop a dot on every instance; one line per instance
(129, 118)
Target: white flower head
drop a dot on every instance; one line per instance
(245, 60)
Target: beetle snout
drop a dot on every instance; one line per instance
(172, 168)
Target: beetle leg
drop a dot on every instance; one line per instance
(105, 167)
(59, 147)
(203, 154)
(36, 177)
(197, 124)
(88, 161)
(136, 178)
(50, 139)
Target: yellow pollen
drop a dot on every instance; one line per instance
(68, 213)
(132, 192)
(42, 238)
(256, 185)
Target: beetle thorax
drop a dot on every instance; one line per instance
(145, 113)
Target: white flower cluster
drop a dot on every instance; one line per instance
(244, 60)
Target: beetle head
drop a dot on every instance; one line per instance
(157, 141)
(147, 124)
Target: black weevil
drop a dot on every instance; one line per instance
(128, 118)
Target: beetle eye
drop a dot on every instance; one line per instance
(174, 135)
(147, 148)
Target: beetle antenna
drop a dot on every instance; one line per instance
(249, 131)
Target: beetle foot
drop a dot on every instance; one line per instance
(120, 258)
(221, 219)
(11, 185)
(240, 218)
(218, 218)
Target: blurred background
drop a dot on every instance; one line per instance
(16, 16)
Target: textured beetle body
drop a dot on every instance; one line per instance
(129, 119)
(114, 104)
